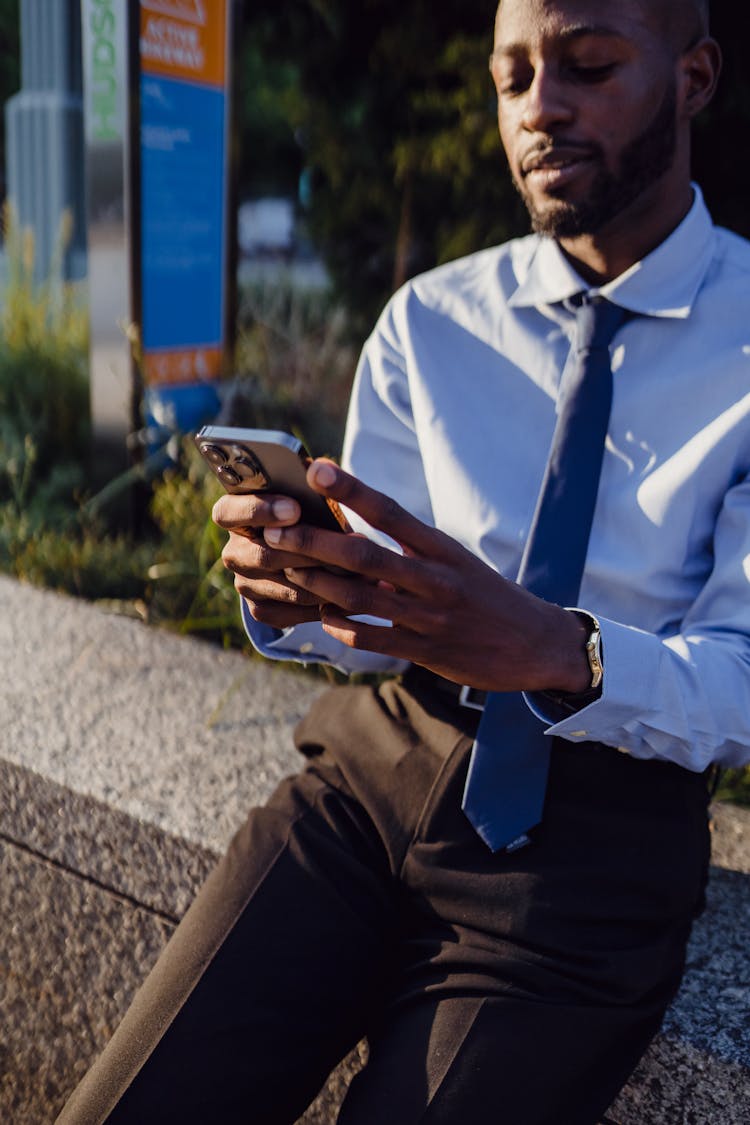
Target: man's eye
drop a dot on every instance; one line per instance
(511, 76)
(513, 84)
(592, 74)
(512, 89)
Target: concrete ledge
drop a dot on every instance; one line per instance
(170, 730)
(697, 1070)
(92, 896)
(127, 758)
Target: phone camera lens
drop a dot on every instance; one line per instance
(214, 454)
(248, 466)
(227, 475)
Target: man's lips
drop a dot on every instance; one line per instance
(555, 160)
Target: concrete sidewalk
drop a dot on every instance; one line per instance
(128, 756)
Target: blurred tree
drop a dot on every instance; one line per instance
(269, 159)
(394, 110)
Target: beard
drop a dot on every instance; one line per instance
(642, 162)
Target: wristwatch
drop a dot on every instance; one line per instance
(593, 647)
(576, 701)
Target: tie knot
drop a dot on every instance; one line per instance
(597, 320)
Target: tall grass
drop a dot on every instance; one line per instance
(44, 417)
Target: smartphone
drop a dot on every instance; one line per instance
(267, 461)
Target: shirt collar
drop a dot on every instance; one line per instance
(664, 283)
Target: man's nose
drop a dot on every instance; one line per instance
(546, 103)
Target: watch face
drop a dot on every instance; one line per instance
(594, 654)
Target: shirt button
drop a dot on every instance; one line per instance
(578, 733)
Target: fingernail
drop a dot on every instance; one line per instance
(272, 535)
(284, 510)
(324, 473)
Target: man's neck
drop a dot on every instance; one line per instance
(629, 238)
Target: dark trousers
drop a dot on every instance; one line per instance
(517, 989)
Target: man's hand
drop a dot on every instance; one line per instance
(258, 568)
(449, 611)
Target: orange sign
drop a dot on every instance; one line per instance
(183, 365)
(184, 39)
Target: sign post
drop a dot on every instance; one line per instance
(184, 207)
(160, 243)
(108, 129)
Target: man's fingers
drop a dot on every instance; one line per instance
(236, 512)
(354, 597)
(349, 552)
(388, 641)
(249, 556)
(273, 590)
(379, 510)
(366, 559)
(281, 615)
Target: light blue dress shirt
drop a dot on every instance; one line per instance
(452, 413)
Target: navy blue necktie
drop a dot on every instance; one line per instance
(507, 778)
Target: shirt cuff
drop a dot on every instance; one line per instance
(301, 643)
(308, 643)
(631, 668)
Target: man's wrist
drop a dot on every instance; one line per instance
(593, 663)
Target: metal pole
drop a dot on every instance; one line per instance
(109, 128)
(44, 135)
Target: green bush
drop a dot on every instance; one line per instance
(46, 394)
(86, 563)
(44, 406)
(188, 583)
(44, 397)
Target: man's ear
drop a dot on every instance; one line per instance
(699, 68)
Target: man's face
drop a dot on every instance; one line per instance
(587, 109)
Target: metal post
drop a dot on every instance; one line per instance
(44, 130)
(109, 30)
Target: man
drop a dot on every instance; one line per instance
(516, 984)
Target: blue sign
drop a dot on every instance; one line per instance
(183, 243)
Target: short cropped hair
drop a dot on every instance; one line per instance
(681, 17)
(685, 21)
